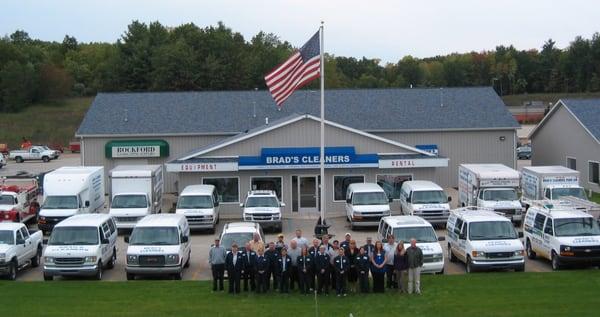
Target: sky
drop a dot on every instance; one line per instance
(387, 30)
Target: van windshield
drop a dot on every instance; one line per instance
(239, 238)
(7, 200)
(373, 198)
(578, 192)
(154, 236)
(492, 230)
(74, 236)
(421, 234)
(6, 237)
(429, 197)
(61, 202)
(268, 201)
(500, 194)
(130, 201)
(195, 202)
(571, 227)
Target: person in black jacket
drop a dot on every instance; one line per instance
(261, 266)
(401, 266)
(341, 266)
(235, 269)
(305, 265)
(271, 254)
(313, 251)
(362, 266)
(249, 258)
(284, 265)
(322, 270)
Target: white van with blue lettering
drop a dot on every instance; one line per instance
(563, 235)
(482, 239)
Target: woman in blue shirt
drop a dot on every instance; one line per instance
(378, 259)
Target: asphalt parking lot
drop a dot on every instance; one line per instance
(201, 241)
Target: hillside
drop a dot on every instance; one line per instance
(52, 122)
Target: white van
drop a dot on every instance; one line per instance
(200, 205)
(82, 245)
(263, 206)
(482, 239)
(425, 199)
(407, 227)
(366, 204)
(562, 235)
(159, 245)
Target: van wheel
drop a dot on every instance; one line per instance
(12, 270)
(35, 261)
(113, 259)
(530, 254)
(48, 277)
(520, 268)
(45, 159)
(178, 276)
(130, 277)
(99, 271)
(187, 263)
(469, 265)
(555, 262)
(451, 255)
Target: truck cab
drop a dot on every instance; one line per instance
(366, 204)
(19, 248)
(200, 205)
(425, 199)
(483, 240)
(16, 196)
(263, 206)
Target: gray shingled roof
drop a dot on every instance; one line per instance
(159, 113)
(587, 112)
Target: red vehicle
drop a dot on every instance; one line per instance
(4, 148)
(75, 147)
(18, 199)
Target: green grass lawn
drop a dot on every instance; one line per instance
(47, 123)
(595, 197)
(569, 293)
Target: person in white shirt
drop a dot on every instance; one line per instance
(300, 240)
(390, 249)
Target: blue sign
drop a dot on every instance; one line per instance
(431, 148)
(342, 156)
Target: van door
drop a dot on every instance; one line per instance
(349, 210)
(548, 238)
(216, 204)
(106, 249)
(537, 233)
(31, 249)
(461, 233)
(403, 204)
(20, 240)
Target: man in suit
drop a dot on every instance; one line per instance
(271, 254)
(305, 264)
(235, 269)
(262, 268)
(322, 265)
(249, 258)
(341, 266)
(284, 265)
(363, 264)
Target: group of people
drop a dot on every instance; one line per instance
(319, 267)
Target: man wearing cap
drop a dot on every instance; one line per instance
(235, 269)
(280, 244)
(346, 243)
(369, 247)
(216, 259)
(300, 240)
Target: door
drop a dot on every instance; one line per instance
(308, 194)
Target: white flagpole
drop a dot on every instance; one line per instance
(322, 160)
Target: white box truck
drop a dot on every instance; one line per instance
(492, 186)
(558, 184)
(135, 192)
(71, 190)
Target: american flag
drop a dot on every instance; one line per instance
(298, 70)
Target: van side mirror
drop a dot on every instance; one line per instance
(216, 203)
(462, 236)
(282, 204)
(449, 199)
(16, 200)
(104, 241)
(408, 199)
(20, 241)
(390, 199)
(87, 203)
(520, 234)
(126, 238)
(241, 205)
(441, 238)
(156, 204)
(348, 201)
(185, 239)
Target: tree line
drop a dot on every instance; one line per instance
(154, 57)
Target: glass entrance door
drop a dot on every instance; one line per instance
(308, 193)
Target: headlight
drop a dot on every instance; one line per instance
(132, 259)
(90, 259)
(478, 254)
(2, 256)
(566, 248)
(519, 253)
(48, 259)
(172, 258)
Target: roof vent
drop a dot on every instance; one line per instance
(266, 120)
(126, 117)
(441, 97)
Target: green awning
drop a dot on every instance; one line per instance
(136, 148)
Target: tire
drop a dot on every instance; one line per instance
(35, 261)
(451, 255)
(12, 270)
(113, 259)
(555, 262)
(530, 254)
(45, 159)
(130, 277)
(520, 268)
(19, 159)
(469, 266)
(99, 271)
(187, 263)
(48, 277)
(178, 276)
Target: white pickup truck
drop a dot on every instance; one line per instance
(33, 153)
(19, 248)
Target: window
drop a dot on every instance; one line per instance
(458, 226)
(267, 183)
(593, 171)
(539, 221)
(341, 183)
(572, 163)
(106, 230)
(228, 188)
(392, 183)
(548, 227)
(25, 233)
(111, 225)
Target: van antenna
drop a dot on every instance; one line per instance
(126, 115)
(442, 97)
(254, 105)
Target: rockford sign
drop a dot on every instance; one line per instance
(136, 151)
